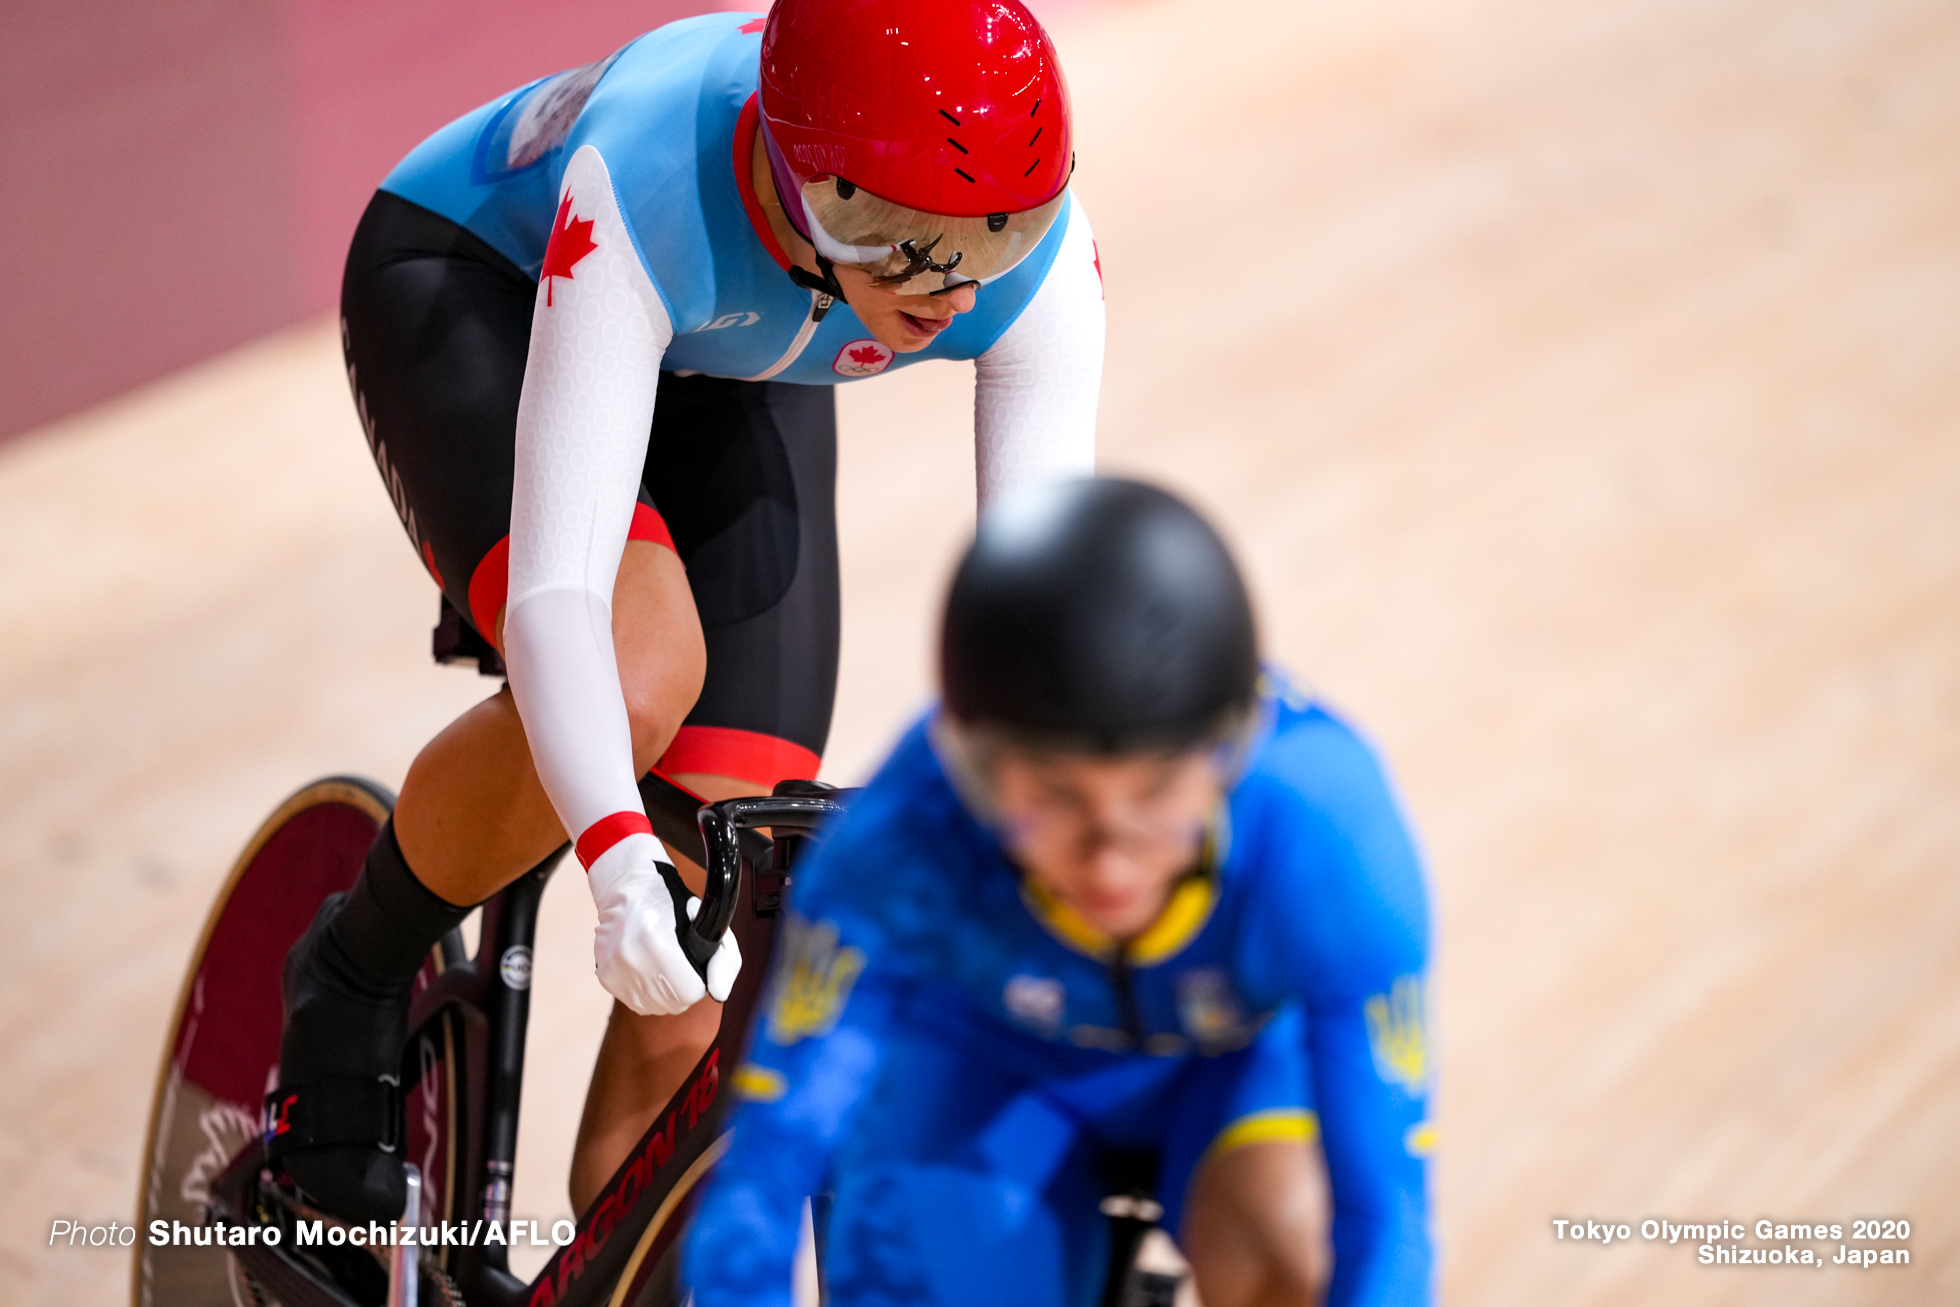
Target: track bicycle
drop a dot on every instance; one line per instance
(461, 1078)
(204, 1169)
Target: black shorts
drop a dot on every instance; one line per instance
(740, 482)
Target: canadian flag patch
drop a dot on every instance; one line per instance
(862, 358)
(571, 241)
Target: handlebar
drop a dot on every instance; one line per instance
(722, 826)
(715, 836)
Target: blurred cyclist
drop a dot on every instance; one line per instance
(1118, 893)
(591, 330)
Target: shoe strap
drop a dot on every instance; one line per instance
(333, 1111)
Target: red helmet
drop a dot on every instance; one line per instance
(946, 108)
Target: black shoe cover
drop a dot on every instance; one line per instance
(342, 1022)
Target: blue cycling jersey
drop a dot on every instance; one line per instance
(665, 112)
(911, 921)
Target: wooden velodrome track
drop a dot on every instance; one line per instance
(1581, 385)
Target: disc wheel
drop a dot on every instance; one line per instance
(222, 1054)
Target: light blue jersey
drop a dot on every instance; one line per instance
(664, 112)
(626, 190)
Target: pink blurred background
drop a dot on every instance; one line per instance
(184, 177)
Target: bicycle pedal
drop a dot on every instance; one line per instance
(437, 1288)
(352, 1273)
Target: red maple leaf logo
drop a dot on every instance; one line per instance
(867, 355)
(753, 25)
(571, 240)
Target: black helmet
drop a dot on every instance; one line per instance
(1098, 614)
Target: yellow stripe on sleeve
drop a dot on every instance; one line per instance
(1290, 1124)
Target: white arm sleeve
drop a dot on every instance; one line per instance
(597, 335)
(1034, 398)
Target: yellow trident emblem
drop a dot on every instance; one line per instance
(814, 982)
(1398, 1034)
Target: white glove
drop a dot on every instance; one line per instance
(637, 949)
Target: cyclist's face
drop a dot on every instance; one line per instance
(901, 323)
(1107, 836)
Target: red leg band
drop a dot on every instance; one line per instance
(490, 582)
(745, 755)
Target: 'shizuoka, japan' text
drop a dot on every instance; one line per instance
(1775, 1243)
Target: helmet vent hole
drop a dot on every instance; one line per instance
(949, 118)
(845, 190)
(1037, 135)
(1037, 109)
(996, 222)
(1032, 167)
(957, 146)
(962, 172)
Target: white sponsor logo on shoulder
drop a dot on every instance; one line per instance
(739, 318)
(861, 358)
